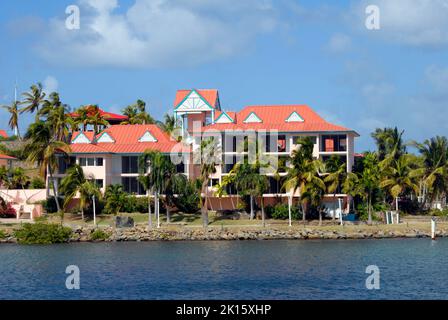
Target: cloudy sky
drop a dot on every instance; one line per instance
(255, 52)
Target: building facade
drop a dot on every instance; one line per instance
(111, 156)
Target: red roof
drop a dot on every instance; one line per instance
(4, 156)
(274, 117)
(3, 134)
(126, 140)
(209, 95)
(106, 115)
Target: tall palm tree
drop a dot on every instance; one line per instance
(33, 99)
(389, 141)
(137, 114)
(337, 176)
(75, 184)
(435, 172)
(169, 124)
(14, 118)
(398, 175)
(42, 147)
(368, 181)
(313, 194)
(208, 158)
(115, 198)
(304, 171)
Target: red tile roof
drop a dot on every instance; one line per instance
(126, 141)
(273, 118)
(209, 95)
(4, 156)
(106, 115)
(3, 134)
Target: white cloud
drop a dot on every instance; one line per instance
(157, 33)
(417, 23)
(50, 84)
(339, 43)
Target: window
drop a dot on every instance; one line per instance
(82, 162)
(99, 183)
(64, 163)
(213, 182)
(332, 143)
(180, 168)
(129, 164)
(132, 185)
(99, 162)
(90, 162)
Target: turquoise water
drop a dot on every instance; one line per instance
(409, 269)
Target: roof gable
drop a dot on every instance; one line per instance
(224, 118)
(147, 137)
(81, 138)
(193, 101)
(105, 137)
(252, 118)
(294, 117)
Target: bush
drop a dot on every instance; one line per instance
(281, 211)
(188, 198)
(41, 233)
(37, 183)
(99, 235)
(438, 213)
(49, 205)
(7, 211)
(3, 234)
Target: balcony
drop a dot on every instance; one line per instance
(333, 143)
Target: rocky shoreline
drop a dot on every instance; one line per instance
(140, 233)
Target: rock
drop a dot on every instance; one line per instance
(124, 222)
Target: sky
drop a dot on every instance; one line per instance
(318, 53)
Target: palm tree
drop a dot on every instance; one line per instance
(137, 114)
(169, 124)
(75, 184)
(14, 118)
(115, 198)
(389, 142)
(155, 172)
(33, 99)
(19, 178)
(208, 158)
(304, 171)
(337, 176)
(42, 147)
(368, 181)
(398, 175)
(313, 194)
(4, 177)
(435, 172)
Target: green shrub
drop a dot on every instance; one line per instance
(49, 205)
(98, 235)
(3, 234)
(37, 183)
(281, 211)
(188, 198)
(438, 213)
(41, 233)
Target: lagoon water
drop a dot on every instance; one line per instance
(409, 269)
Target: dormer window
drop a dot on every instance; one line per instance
(294, 117)
(105, 138)
(252, 118)
(81, 138)
(147, 137)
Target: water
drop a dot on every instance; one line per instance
(410, 269)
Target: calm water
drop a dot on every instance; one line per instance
(410, 269)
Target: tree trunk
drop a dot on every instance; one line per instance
(303, 213)
(149, 210)
(251, 207)
(168, 214)
(320, 217)
(58, 206)
(157, 207)
(262, 211)
(82, 214)
(334, 211)
(204, 209)
(369, 210)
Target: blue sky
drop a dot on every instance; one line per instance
(255, 52)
